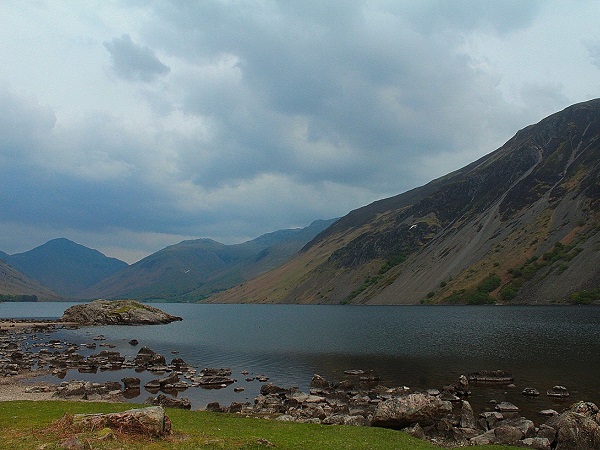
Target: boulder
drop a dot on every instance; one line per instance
(558, 391)
(403, 412)
(536, 443)
(577, 428)
(319, 382)
(490, 377)
(147, 357)
(150, 421)
(531, 392)
(131, 382)
(467, 417)
(169, 402)
(506, 407)
(270, 388)
(87, 390)
(116, 312)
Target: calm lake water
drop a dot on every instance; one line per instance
(417, 346)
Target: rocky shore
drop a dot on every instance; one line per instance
(442, 415)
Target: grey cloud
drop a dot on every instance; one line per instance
(134, 62)
(365, 82)
(23, 123)
(594, 52)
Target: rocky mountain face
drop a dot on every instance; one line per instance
(520, 225)
(65, 267)
(198, 268)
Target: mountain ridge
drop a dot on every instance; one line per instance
(194, 269)
(466, 237)
(64, 266)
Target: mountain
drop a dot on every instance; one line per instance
(195, 269)
(16, 286)
(64, 266)
(520, 225)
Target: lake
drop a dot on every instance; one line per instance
(417, 346)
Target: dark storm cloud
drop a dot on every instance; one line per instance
(134, 62)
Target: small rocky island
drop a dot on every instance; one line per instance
(116, 312)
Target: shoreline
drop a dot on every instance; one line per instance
(357, 400)
(34, 324)
(14, 389)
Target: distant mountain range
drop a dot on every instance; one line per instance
(187, 271)
(520, 225)
(65, 267)
(195, 269)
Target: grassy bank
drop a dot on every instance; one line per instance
(30, 425)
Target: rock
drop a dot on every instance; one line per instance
(87, 390)
(506, 407)
(179, 364)
(356, 372)
(134, 342)
(270, 388)
(212, 372)
(548, 412)
(486, 438)
(116, 312)
(345, 419)
(531, 392)
(488, 420)
(575, 431)
(405, 411)
(171, 379)
(237, 407)
(215, 381)
(169, 402)
(467, 417)
(558, 391)
(507, 434)
(415, 431)
(147, 357)
(536, 443)
(215, 407)
(130, 382)
(490, 377)
(525, 426)
(319, 382)
(150, 421)
(547, 432)
(152, 385)
(587, 409)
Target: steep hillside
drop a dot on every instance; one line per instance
(14, 286)
(64, 266)
(520, 225)
(195, 269)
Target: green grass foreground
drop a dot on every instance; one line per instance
(33, 425)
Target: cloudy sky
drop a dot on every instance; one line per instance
(127, 126)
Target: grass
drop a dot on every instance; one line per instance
(27, 425)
